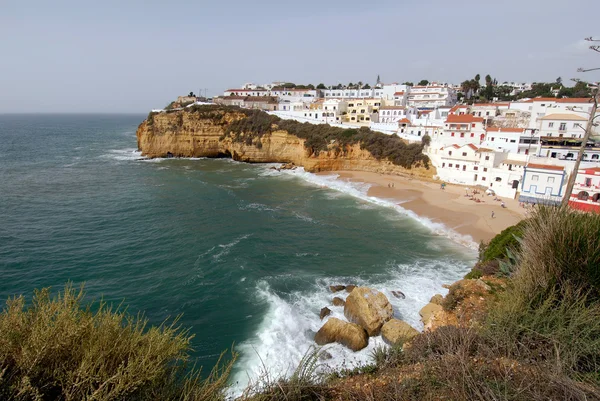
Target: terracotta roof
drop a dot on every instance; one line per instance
(575, 100)
(515, 162)
(563, 116)
(585, 170)
(499, 129)
(398, 93)
(485, 150)
(404, 121)
(545, 166)
(467, 118)
(473, 147)
(490, 104)
(246, 90)
(456, 107)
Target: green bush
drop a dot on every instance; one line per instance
(508, 239)
(57, 348)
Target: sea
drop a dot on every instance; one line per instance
(243, 252)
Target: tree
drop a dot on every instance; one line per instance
(559, 80)
(489, 87)
(350, 85)
(191, 94)
(310, 86)
(321, 86)
(423, 82)
(366, 86)
(408, 83)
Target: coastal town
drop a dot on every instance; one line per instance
(499, 138)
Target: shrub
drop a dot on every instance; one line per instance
(55, 349)
(508, 239)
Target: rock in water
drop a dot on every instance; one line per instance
(337, 301)
(428, 311)
(324, 312)
(336, 288)
(398, 294)
(350, 287)
(397, 331)
(348, 334)
(436, 299)
(368, 308)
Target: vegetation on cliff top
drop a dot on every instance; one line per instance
(254, 124)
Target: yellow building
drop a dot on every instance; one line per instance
(360, 110)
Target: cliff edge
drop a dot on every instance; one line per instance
(257, 137)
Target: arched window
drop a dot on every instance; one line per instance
(583, 195)
(596, 197)
(595, 157)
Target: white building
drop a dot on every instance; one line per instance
(543, 183)
(462, 129)
(431, 96)
(586, 192)
(392, 114)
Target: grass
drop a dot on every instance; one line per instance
(57, 348)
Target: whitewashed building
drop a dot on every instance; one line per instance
(543, 183)
(431, 96)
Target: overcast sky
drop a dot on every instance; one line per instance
(131, 56)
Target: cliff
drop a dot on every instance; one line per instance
(207, 132)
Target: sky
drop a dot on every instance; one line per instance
(131, 56)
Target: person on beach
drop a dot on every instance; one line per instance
(493, 214)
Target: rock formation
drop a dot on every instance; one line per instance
(186, 133)
(348, 334)
(397, 331)
(337, 301)
(368, 308)
(337, 288)
(324, 312)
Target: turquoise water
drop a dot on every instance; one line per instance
(244, 252)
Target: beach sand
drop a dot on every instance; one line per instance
(449, 206)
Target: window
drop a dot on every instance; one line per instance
(550, 179)
(498, 179)
(464, 168)
(472, 135)
(457, 166)
(443, 165)
(462, 134)
(487, 158)
(452, 134)
(535, 178)
(475, 168)
(562, 127)
(464, 153)
(482, 178)
(450, 153)
(450, 165)
(492, 138)
(473, 125)
(484, 169)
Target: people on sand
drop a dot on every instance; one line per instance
(493, 214)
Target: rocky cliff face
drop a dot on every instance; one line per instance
(189, 134)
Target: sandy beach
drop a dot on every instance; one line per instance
(449, 206)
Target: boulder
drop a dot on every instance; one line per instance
(336, 288)
(337, 301)
(428, 311)
(397, 331)
(398, 294)
(436, 299)
(348, 334)
(324, 312)
(350, 287)
(368, 308)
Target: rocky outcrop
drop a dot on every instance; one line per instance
(368, 308)
(348, 334)
(324, 312)
(350, 288)
(397, 331)
(337, 301)
(428, 311)
(189, 134)
(337, 288)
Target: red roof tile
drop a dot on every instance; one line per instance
(545, 166)
(467, 118)
(498, 129)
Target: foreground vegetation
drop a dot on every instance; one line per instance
(56, 348)
(254, 124)
(537, 339)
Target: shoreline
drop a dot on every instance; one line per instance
(449, 207)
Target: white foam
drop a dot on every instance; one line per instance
(360, 191)
(288, 327)
(128, 154)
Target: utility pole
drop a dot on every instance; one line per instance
(588, 132)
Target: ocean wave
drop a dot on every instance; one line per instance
(287, 330)
(360, 191)
(129, 154)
